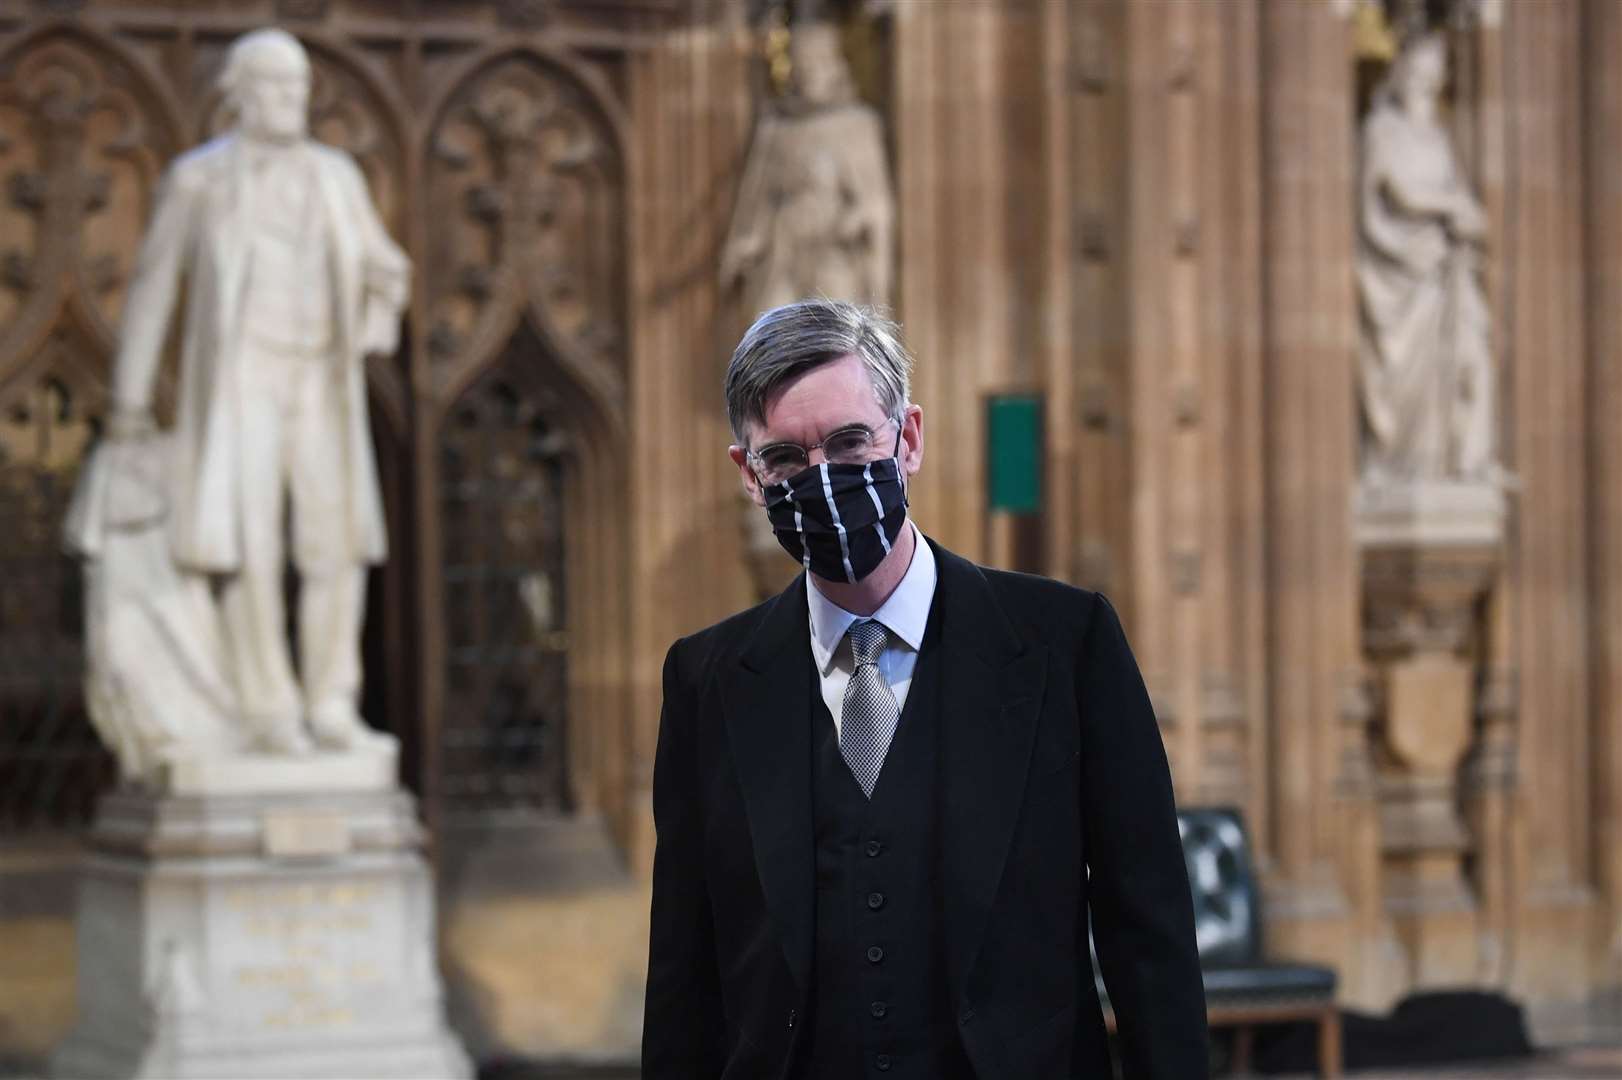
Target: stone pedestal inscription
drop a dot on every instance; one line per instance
(255, 936)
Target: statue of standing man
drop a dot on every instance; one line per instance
(290, 280)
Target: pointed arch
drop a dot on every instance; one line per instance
(98, 125)
(528, 147)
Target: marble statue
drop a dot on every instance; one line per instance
(258, 909)
(289, 280)
(1426, 367)
(815, 214)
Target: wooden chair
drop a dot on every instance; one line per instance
(1241, 989)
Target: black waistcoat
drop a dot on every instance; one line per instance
(880, 1006)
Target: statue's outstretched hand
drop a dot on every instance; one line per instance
(380, 330)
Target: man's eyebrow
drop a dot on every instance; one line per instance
(862, 425)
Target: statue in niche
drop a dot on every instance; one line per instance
(815, 214)
(1426, 369)
(289, 280)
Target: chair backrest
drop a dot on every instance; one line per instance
(1227, 911)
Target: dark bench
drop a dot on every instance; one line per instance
(1241, 989)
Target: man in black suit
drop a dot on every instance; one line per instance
(889, 798)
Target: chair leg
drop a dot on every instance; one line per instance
(1243, 1042)
(1329, 1052)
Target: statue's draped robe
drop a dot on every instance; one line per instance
(814, 215)
(1426, 374)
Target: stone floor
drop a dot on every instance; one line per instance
(1594, 1064)
(1570, 1065)
(1597, 1064)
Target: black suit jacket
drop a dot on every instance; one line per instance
(1056, 800)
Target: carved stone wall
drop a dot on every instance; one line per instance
(1158, 199)
(1170, 265)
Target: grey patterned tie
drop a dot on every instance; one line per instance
(869, 712)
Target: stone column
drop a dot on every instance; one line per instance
(1311, 326)
(1165, 298)
(1100, 492)
(1488, 778)
(971, 167)
(1547, 394)
(690, 94)
(1227, 399)
(1602, 37)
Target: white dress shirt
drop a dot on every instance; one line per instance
(904, 615)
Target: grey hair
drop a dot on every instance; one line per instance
(795, 338)
(245, 50)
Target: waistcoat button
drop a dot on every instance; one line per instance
(875, 900)
(874, 954)
(878, 1009)
(873, 849)
(883, 1062)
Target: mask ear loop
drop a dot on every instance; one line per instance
(900, 473)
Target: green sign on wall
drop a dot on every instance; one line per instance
(1014, 453)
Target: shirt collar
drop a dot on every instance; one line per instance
(904, 614)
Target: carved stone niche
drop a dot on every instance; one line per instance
(1430, 553)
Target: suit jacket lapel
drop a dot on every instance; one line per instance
(767, 707)
(992, 685)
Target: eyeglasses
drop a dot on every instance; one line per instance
(853, 445)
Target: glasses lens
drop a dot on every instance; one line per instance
(778, 463)
(848, 447)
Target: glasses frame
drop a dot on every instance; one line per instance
(756, 465)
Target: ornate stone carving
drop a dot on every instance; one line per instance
(301, 9)
(533, 167)
(1224, 768)
(1093, 236)
(1421, 601)
(524, 13)
(98, 134)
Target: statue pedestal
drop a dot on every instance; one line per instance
(282, 934)
(1429, 556)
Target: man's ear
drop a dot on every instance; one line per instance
(751, 486)
(912, 440)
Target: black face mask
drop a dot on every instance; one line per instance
(839, 521)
